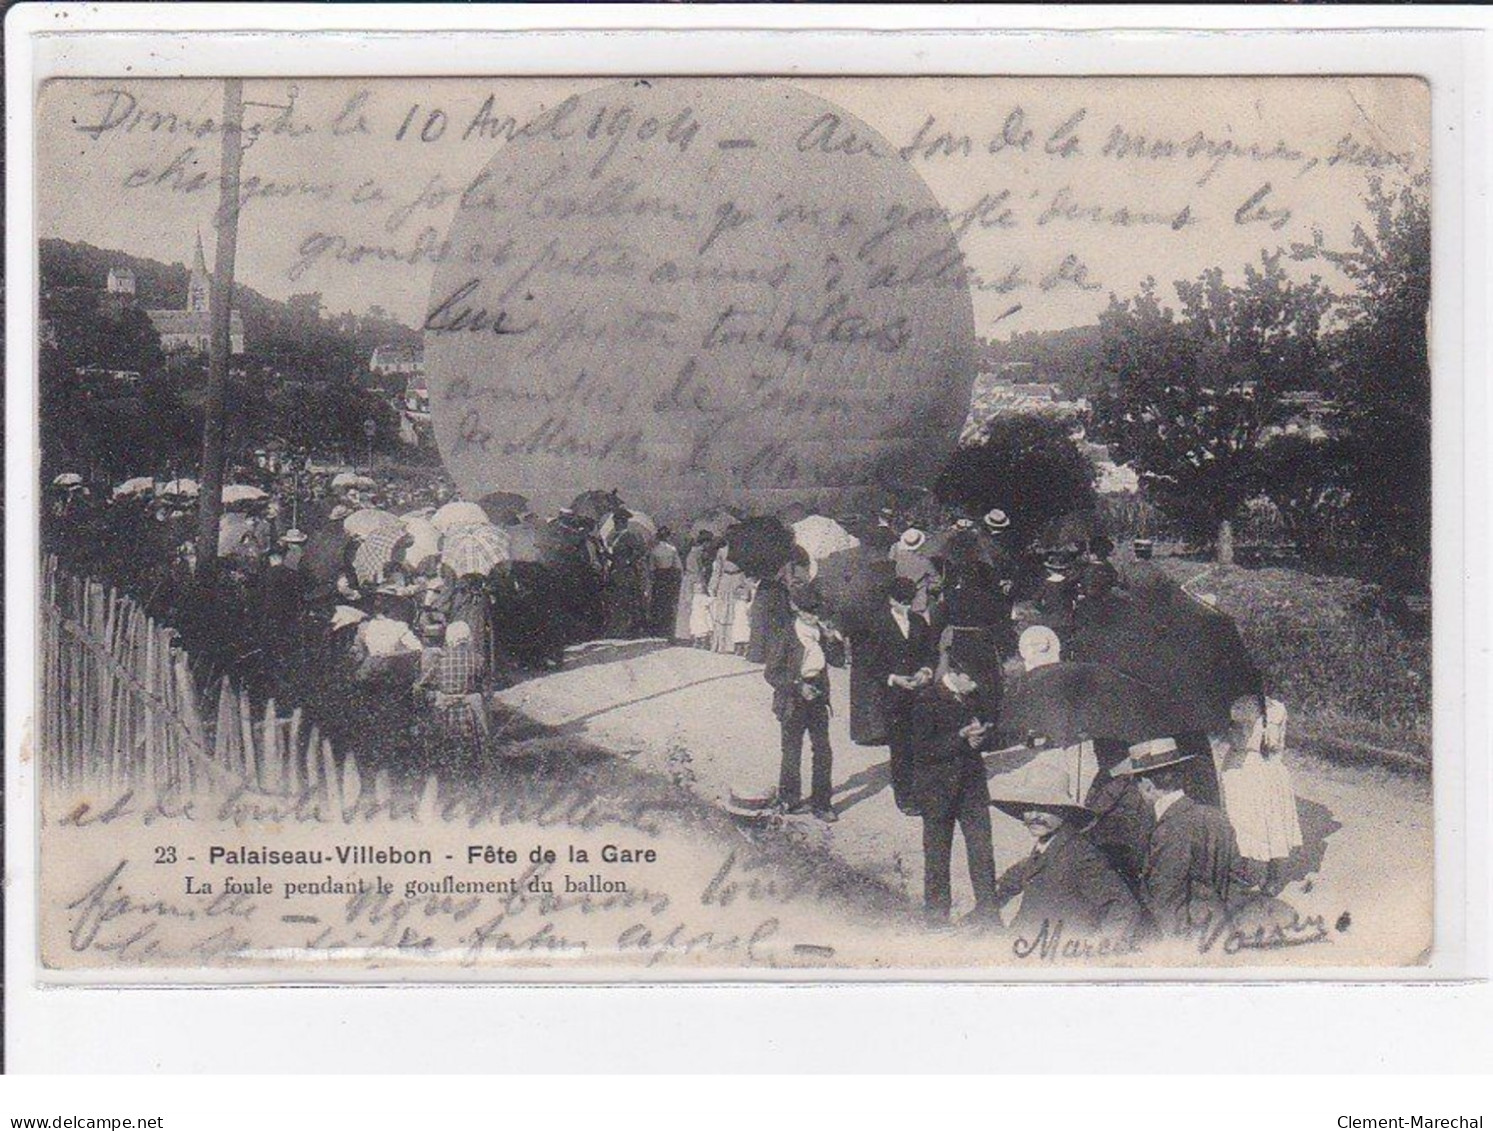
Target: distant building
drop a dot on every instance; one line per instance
(997, 394)
(401, 360)
(191, 327)
(414, 412)
(121, 281)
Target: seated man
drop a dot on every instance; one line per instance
(1065, 881)
(948, 735)
(1192, 859)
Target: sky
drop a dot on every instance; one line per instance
(1064, 190)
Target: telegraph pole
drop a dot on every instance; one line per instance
(220, 306)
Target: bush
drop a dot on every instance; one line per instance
(1028, 466)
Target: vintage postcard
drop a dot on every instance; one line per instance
(680, 528)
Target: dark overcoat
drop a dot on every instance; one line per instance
(1070, 882)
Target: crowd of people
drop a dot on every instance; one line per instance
(416, 604)
(1156, 820)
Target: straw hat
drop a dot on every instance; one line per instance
(1153, 754)
(1041, 784)
(996, 520)
(913, 538)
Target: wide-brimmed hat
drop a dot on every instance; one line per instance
(913, 538)
(1041, 784)
(293, 536)
(996, 520)
(1153, 754)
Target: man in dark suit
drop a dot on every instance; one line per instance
(898, 651)
(1065, 882)
(1193, 857)
(948, 780)
(797, 668)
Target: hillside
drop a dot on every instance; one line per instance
(292, 336)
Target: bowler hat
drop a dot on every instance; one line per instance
(1153, 754)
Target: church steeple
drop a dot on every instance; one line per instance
(197, 288)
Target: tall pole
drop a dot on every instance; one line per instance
(220, 305)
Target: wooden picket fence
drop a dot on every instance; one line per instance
(120, 709)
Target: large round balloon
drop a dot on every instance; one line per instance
(698, 292)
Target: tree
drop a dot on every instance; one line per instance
(1306, 479)
(1381, 378)
(305, 307)
(1189, 395)
(1028, 466)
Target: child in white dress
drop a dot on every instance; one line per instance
(1256, 788)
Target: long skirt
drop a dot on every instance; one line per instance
(1260, 802)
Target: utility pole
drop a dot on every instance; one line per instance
(220, 306)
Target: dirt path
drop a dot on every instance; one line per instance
(707, 717)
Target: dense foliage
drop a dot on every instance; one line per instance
(1028, 466)
(113, 402)
(1191, 393)
(1197, 397)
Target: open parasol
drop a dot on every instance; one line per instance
(132, 488)
(376, 550)
(1066, 703)
(854, 581)
(595, 505)
(458, 513)
(363, 522)
(241, 494)
(760, 546)
(504, 507)
(185, 488)
(1168, 640)
(820, 536)
(474, 549)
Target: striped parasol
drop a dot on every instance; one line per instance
(376, 550)
(458, 513)
(474, 549)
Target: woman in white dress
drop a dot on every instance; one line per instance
(727, 588)
(1256, 788)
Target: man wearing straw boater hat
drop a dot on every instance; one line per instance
(1193, 858)
(1065, 883)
